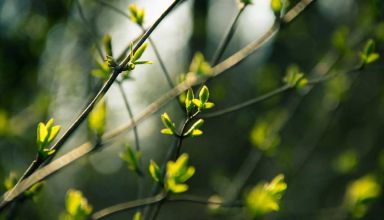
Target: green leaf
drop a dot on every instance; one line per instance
(107, 42)
(34, 190)
(154, 170)
(77, 205)
(360, 193)
(177, 173)
(295, 78)
(132, 158)
(204, 94)
(196, 132)
(368, 55)
(168, 123)
(265, 198)
(97, 118)
(100, 74)
(143, 62)
(189, 105)
(167, 131)
(197, 103)
(195, 126)
(276, 6)
(199, 66)
(139, 52)
(11, 180)
(46, 133)
(209, 105)
(137, 15)
(137, 216)
(372, 58)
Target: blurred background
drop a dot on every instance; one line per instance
(322, 138)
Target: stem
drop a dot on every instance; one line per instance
(227, 37)
(157, 199)
(129, 110)
(127, 206)
(248, 103)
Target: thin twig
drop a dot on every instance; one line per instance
(161, 197)
(131, 117)
(227, 37)
(127, 206)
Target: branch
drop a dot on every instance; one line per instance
(161, 197)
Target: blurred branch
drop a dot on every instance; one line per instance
(88, 26)
(161, 197)
(227, 37)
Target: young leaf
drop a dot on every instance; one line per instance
(170, 126)
(46, 133)
(295, 78)
(265, 198)
(139, 52)
(132, 158)
(199, 66)
(177, 173)
(194, 129)
(137, 15)
(137, 216)
(77, 205)
(189, 105)
(97, 118)
(360, 193)
(368, 55)
(154, 170)
(204, 95)
(107, 42)
(276, 6)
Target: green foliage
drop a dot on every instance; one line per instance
(154, 170)
(136, 14)
(11, 180)
(77, 206)
(295, 78)
(276, 6)
(264, 137)
(202, 103)
(107, 42)
(177, 174)
(339, 38)
(46, 133)
(360, 193)
(137, 216)
(170, 127)
(346, 162)
(97, 118)
(199, 66)
(194, 129)
(189, 106)
(135, 58)
(265, 198)
(368, 55)
(102, 72)
(132, 158)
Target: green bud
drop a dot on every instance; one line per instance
(204, 94)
